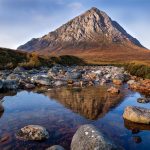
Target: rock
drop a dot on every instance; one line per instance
(13, 77)
(1, 84)
(137, 114)
(29, 86)
(75, 75)
(137, 139)
(59, 83)
(10, 84)
(131, 82)
(87, 137)
(55, 147)
(19, 69)
(4, 139)
(143, 100)
(113, 90)
(33, 132)
(117, 81)
(43, 80)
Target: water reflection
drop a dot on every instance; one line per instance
(135, 127)
(91, 103)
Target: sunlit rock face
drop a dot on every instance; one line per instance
(94, 28)
(91, 103)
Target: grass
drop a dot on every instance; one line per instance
(138, 69)
(10, 59)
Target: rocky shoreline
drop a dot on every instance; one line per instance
(58, 76)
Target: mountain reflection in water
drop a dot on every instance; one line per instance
(92, 103)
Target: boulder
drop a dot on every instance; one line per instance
(33, 133)
(55, 147)
(42, 80)
(137, 114)
(113, 90)
(10, 84)
(143, 100)
(87, 137)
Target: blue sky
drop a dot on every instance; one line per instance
(21, 20)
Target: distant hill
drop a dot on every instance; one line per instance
(93, 36)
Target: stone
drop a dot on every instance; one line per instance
(113, 90)
(13, 77)
(29, 86)
(10, 84)
(19, 69)
(42, 80)
(33, 133)
(117, 81)
(143, 100)
(4, 138)
(55, 147)
(59, 83)
(75, 75)
(137, 114)
(137, 139)
(131, 82)
(87, 137)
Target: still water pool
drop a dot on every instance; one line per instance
(62, 111)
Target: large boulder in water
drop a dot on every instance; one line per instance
(33, 133)
(87, 137)
(137, 114)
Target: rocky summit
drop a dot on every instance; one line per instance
(86, 35)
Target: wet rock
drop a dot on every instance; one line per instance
(143, 100)
(55, 147)
(29, 86)
(4, 139)
(113, 90)
(137, 114)
(10, 84)
(33, 132)
(87, 137)
(137, 139)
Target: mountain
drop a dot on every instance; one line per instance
(92, 35)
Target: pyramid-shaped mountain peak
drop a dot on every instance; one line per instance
(92, 29)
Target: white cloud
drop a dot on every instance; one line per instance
(75, 6)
